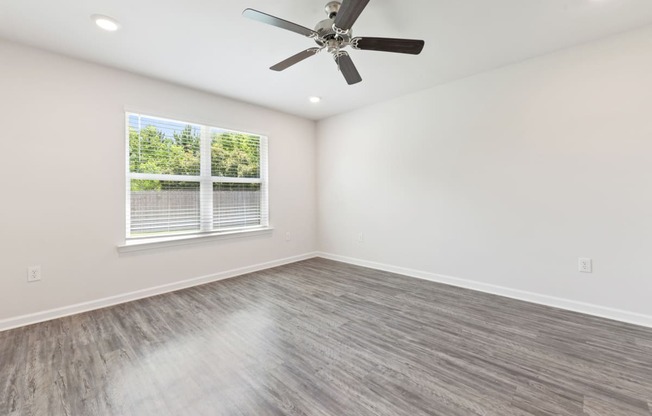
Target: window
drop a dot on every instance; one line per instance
(186, 178)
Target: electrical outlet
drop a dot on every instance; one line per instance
(33, 273)
(361, 238)
(585, 265)
(288, 236)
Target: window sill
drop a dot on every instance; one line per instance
(153, 243)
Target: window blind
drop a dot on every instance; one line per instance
(186, 178)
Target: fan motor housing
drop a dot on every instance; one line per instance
(326, 29)
(326, 33)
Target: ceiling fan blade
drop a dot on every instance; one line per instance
(347, 68)
(411, 46)
(295, 59)
(278, 22)
(349, 13)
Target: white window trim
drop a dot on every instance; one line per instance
(153, 243)
(134, 244)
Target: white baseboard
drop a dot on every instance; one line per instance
(48, 315)
(567, 304)
(581, 307)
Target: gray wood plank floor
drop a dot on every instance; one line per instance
(324, 338)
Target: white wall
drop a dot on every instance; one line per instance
(63, 187)
(504, 178)
(507, 177)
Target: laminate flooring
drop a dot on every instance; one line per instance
(325, 338)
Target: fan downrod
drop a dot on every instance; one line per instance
(332, 8)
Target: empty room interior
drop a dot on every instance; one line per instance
(328, 208)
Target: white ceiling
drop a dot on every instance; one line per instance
(208, 44)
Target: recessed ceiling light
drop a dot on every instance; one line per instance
(315, 100)
(105, 22)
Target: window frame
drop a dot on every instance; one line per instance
(206, 182)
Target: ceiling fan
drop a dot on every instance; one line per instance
(334, 34)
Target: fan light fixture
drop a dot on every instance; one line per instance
(105, 22)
